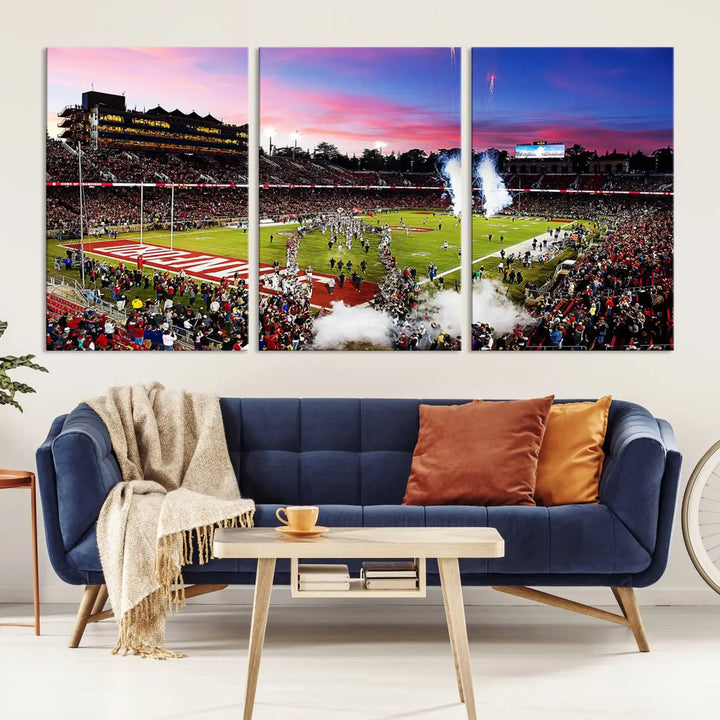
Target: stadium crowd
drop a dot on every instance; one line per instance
(279, 203)
(582, 207)
(206, 316)
(302, 171)
(618, 296)
(120, 207)
(399, 297)
(112, 165)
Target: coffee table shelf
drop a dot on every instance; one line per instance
(357, 588)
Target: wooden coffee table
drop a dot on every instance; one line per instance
(447, 545)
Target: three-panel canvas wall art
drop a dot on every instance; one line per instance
(362, 187)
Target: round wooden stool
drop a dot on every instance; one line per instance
(25, 479)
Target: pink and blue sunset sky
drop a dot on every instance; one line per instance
(206, 80)
(356, 97)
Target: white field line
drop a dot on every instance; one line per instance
(523, 245)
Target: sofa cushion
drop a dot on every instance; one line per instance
(571, 456)
(482, 453)
(568, 539)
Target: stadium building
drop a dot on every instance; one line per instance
(103, 121)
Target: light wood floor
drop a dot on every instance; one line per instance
(380, 662)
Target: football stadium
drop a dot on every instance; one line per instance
(146, 227)
(359, 199)
(573, 239)
(576, 260)
(358, 258)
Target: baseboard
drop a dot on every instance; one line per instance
(236, 595)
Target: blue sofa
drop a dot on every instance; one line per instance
(352, 458)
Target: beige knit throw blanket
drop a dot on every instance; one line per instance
(178, 484)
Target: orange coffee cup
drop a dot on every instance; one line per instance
(299, 517)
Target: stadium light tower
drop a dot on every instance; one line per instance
(269, 131)
(295, 137)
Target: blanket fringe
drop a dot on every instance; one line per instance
(139, 624)
(173, 552)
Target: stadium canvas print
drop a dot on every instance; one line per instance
(359, 199)
(146, 199)
(573, 199)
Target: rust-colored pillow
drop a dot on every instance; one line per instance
(571, 457)
(479, 453)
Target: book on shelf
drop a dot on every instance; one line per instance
(401, 583)
(320, 573)
(389, 569)
(323, 586)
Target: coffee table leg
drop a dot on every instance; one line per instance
(451, 633)
(261, 605)
(452, 592)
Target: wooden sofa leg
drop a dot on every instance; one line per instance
(100, 601)
(96, 596)
(85, 610)
(628, 604)
(625, 597)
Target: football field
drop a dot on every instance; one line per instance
(421, 244)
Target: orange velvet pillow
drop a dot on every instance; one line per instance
(479, 453)
(571, 457)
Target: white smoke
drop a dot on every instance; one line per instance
(445, 308)
(451, 170)
(348, 324)
(491, 306)
(495, 194)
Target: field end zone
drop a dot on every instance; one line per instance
(215, 268)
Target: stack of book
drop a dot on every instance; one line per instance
(390, 575)
(323, 577)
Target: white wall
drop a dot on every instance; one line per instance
(681, 386)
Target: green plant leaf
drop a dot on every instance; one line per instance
(8, 387)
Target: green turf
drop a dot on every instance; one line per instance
(220, 241)
(538, 274)
(513, 232)
(416, 249)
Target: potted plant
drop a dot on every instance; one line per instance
(8, 386)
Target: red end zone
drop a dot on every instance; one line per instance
(214, 268)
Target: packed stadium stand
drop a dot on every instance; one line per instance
(106, 207)
(103, 165)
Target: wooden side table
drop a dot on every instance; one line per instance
(24, 479)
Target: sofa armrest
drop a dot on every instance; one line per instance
(85, 472)
(47, 488)
(668, 506)
(635, 459)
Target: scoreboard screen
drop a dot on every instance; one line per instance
(540, 150)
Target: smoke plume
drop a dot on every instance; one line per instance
(451, 171)
(445, 308)
(351, 325)
(495, 194)
(491, 306)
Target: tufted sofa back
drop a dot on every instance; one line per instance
(323, 451)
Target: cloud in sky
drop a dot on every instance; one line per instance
(207, 80)
(601, 98)
(354, 97)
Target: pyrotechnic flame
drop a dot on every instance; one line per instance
(451, 170)
(495, 194)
